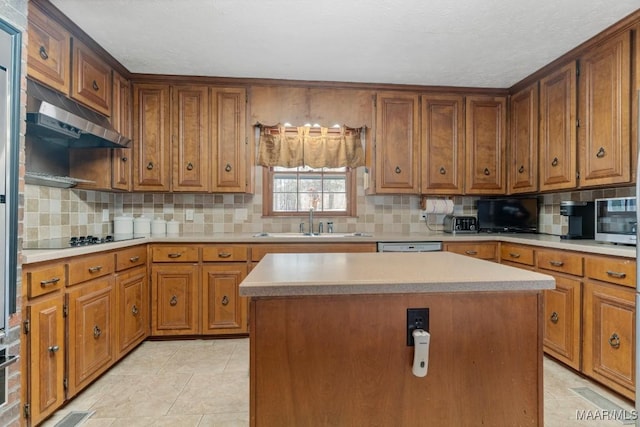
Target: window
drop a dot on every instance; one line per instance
(293, 191)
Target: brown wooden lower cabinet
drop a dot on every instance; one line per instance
(224, 311)
(132, 306)
(174, 299)
(562, 328)
(609, 341)
(482, 250)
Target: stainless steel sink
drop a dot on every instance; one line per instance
(315, 235)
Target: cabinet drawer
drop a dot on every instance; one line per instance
(224, 253)
(476, 250)
(565, 262)
(621, 271)
(516, 253)
(90, 267)
(174, 254)
(133, 257)
(45, 279)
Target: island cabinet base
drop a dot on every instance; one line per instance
(343, 360)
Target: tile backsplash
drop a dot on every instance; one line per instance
(54, 212)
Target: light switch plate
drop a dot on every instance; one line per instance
(188, 214)
(105, 215)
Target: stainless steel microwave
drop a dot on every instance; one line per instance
(616, 220)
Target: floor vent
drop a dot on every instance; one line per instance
(609, 410)
(74, 419)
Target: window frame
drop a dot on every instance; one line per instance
(267, 197)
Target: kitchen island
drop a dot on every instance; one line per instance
(329, 346)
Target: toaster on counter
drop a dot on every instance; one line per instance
(460, 224)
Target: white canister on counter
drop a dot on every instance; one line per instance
(159, 227)
(173, 227)
(123, 225)
(141, 226)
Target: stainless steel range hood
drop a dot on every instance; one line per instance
(55, 118)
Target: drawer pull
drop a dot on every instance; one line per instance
(224, 254)
(514, 255)
(150, 165)
(556, 263)
(134, 258)
(398, 170)
(600, 154)
(49, 282)
(95, 269)
(96, 332)
(53, 349)
(443, 171)
(175, 255)
(227, 168)
(521, 169)
(554, 317)
(43, 53)
(554, 163)
(134, 310)
(95, 86)
(487, 172)
(471, 252)
(614, 340)
(173, 301)
(225, 300)
(616, 274)
(189, 166)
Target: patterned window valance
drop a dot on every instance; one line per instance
(315, 147)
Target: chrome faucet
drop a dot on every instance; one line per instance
(311, 221)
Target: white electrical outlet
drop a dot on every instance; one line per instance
(105, 215)
(188, 214)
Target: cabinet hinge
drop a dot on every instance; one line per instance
(26, 410)
(374, 101)
(26, 326)
(577, 123)
(246, 140)
(578, 69)
(577, 175)
(65, 310)
(65, 383)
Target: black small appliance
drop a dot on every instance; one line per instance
(581, 219)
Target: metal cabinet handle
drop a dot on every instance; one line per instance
(96, 332)
(443, 171)
(398, 170)
(224, 254)
(173, 301)
(554, 163)
(150, 165)
(514, 255)
(95, 86)
(95, 269)
(614, 340)
(471, 252)
(487, 171)
(556, 263)
(124, 159)
(225, 300)
(52, 281)
(616, 274)
(53, 349)
(134, 258)
(521, 169)
(189, 166)
(174, 255)
(43, 53)
(134, 310)
(600, 154)
(554, 317)
(227, 168)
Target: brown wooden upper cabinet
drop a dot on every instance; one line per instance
(523, 138)
(90, 79)
(604, 113)
(151, 130)
(443, 144)
(397, 143)
(486, 131)
(121, 162)
(49, 51)
(558, 142)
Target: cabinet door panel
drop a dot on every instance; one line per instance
(132, 309)
(558, 139)
(121, 162)
(485, 141)
(174, 299)
(443, 146)
(91, 79)
(397, 148)
(190, 125)
(562, 329)
(523, 154)
(224, 311)
(228, 124)
(605, 79)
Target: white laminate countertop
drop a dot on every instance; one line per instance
(385, 273)
(30, 256)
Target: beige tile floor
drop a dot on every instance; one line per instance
(206, 383)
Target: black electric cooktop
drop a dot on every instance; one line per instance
(74, 242)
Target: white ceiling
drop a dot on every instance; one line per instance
(475, 43)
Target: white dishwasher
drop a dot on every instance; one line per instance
(409, 246)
